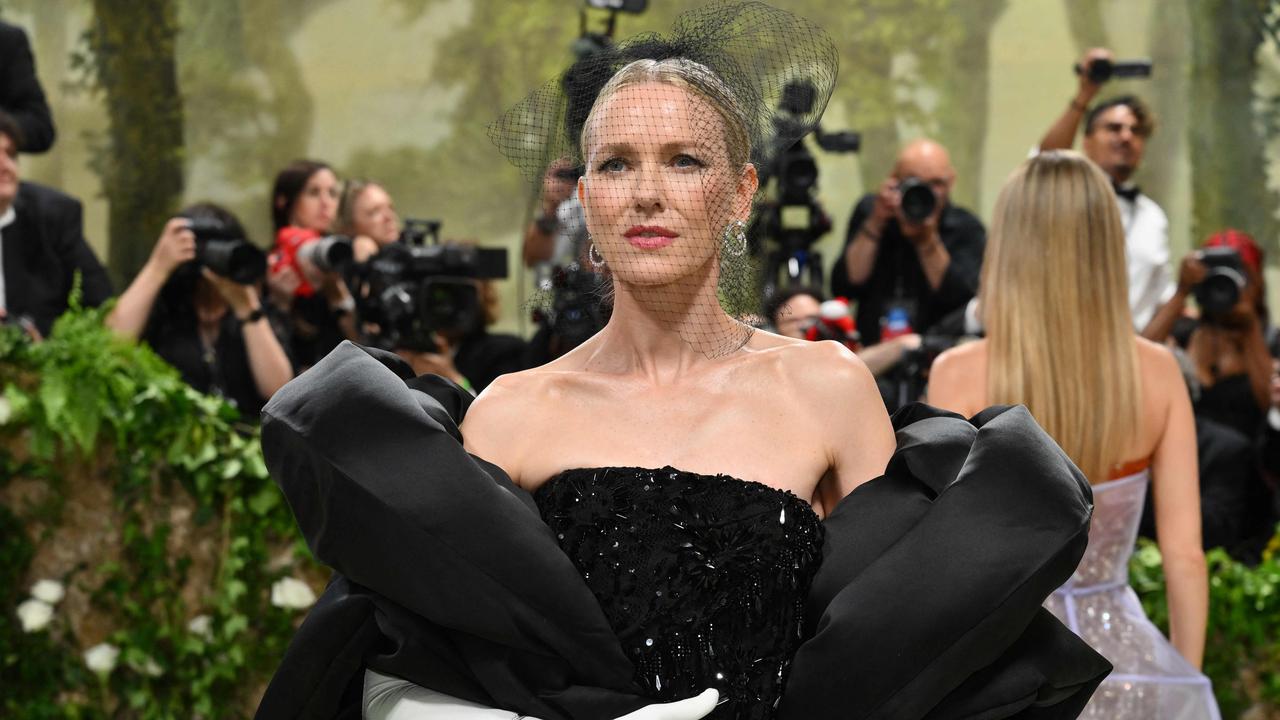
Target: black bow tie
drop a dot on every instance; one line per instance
(1130, 193)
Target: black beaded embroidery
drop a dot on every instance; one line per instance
(702, 577)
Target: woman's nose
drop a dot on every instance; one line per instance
(648, 189)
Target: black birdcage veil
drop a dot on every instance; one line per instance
(667, 144)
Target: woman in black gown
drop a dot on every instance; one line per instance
(681, 502)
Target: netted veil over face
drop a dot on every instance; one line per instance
(668, 132)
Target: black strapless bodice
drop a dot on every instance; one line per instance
(702, 577)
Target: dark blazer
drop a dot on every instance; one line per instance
(42, 251)
(20, 93)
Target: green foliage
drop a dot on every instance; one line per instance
(1242, 650)
(86, 405)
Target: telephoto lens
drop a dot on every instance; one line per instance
(327, 253)
(917, 199)
(231, 257)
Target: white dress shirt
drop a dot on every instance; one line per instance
(1146, 249)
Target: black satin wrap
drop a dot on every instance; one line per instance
(926, 605)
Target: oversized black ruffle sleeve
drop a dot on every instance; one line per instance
(927, 604)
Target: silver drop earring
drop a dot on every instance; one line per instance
(735, 238)
(597, 260)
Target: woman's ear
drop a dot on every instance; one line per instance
(748, 183)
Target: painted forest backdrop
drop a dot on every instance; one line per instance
(163, 102)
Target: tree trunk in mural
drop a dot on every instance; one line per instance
(1170, 51)
(1228, 163)
(880, 140)
(1084, 19)
(963, 87)
(133, 47)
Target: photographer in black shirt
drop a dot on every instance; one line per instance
(911, 257)
(212, 328)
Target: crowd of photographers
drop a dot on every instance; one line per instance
(240, 322)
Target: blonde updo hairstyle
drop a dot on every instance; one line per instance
(697, 79)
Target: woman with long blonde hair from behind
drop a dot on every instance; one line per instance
(1060, 340)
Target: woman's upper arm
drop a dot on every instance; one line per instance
(1174, 464)
(859, 437)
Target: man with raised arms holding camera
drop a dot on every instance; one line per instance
(911, 257)
(1115, 135)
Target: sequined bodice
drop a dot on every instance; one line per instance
(702, 577)
(1117, 510)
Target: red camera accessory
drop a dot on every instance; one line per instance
(285, 255)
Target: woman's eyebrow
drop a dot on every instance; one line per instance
(626, 147)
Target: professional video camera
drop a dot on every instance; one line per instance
(415, 289)
(1223, 283)
(1102, 69)
(794, 220)
(219, 248)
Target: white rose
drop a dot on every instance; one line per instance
(292, 593)
(35, 615)
(50, 591)
(101, 658)
(201, 625)
(6, 411)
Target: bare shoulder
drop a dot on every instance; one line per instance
(495, 424)
(957, 379)
(961, 361)
(833, 389)
(1161, 375)
(826, 369)
(838, 398)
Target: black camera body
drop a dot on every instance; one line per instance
(1102, 70)
(219, 249)
(415, 290)
(917, 199)
(1222, 286)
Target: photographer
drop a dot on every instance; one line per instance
(1226, 345)
(797, 312)
(1115, 135)
(305, 284)
(43, 247)
(545, 240)
(911, 258)
(211, 328)
(367, 215)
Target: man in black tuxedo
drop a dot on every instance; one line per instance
(42, 246)
(20, 93)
